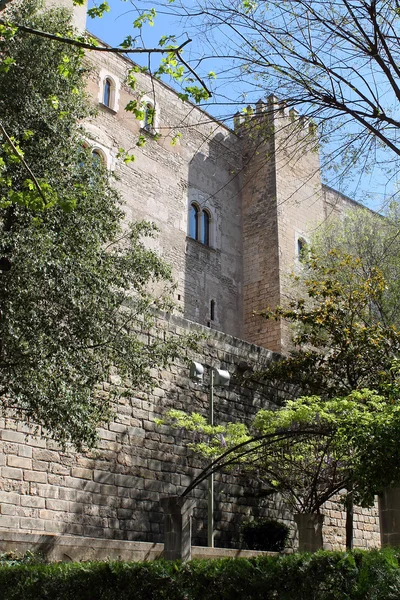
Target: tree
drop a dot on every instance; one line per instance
(309, 450)
(76, 280)
(344, 339)
(343, 435)
(374, 241)
(340, 344)
(286, 451)
(338, 62)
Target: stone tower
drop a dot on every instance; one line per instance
(282, 205)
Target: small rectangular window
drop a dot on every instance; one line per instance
(212, 310)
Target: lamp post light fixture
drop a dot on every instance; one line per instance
(218, 377)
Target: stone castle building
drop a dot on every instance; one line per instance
(234, 207)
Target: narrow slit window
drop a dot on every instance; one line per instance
(194, 222)
(149, 113)
(205, 238)
(302, 248)
(212, 310)
(107, 92)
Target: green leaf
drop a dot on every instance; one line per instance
(98, 11)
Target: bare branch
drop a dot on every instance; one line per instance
(87, 46)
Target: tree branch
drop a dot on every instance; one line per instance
(87, 46)
(23, 161)
(189, 68)
(217, 464)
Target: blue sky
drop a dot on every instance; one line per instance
(114, 26)
(117, 24)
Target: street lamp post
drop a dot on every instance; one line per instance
(210, 487)
(221, 378)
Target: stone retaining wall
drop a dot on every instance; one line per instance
(71, 548)
(114, 491)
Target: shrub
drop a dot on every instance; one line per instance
(265, 534)
(358, 575)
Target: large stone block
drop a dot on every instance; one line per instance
(177, 527)
(389, 514)
(309, 527)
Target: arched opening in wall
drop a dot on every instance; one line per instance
(205, 230)
(108, 92)
(99, 157)
(194, 221)
(302, 249)
(149, 117)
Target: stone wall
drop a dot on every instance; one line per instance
(366, 530)
(165, 179)
(336, 203)
(114, 491)
(282, 204)
(56, 548)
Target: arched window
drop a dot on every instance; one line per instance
(200, 224)
(194, 222)
(302, 248)
(98, 157)
(205, 230)
(149, 114)
(107, 92)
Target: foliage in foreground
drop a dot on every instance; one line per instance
(373, 575)
(343, 434)
(343, 337)
(309, 450)
(77, 283)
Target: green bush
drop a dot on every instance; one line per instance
(265, 534)
(355, 575)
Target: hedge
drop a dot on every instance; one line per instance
(359, 575)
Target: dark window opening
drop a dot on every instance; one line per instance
(97, 157)
(302, 249)
(148, 124)
(206, 228)
(107, 93)
(194, 222)
(212, 310)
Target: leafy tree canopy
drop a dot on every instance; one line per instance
(373, 240)
(340, 343)
(75, 278)
(309, 450)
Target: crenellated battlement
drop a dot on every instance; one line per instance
(272, 112)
